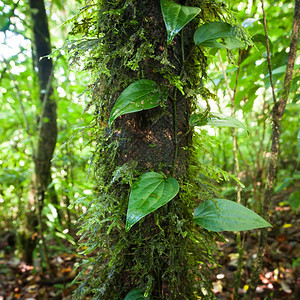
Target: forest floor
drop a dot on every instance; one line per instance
(280, 278)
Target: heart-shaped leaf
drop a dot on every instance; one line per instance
(140, 95)
(226, 215)
(148, 193)
(208, 34)
(176, 16)
(135, 294)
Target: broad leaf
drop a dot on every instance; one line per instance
(176, 16)
(208, 34)
(226, 215)
(135, 294)
(140, 95)
(149, 192)
(199, 120)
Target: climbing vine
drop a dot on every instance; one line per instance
(146, 82)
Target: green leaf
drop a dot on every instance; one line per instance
(260, 38)
(226, 122)
(135, 294)
(140, 95)
(212, 31)
(176, 16)
(198, 120)
(208, 34)
(226, 215)
(218, 121)
(149, 192)
(283, 185)
(298, 144)
(294, 200)
(233, 43)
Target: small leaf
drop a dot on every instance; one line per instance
(294, 200)
(212, 31)
(140, 95)
(149, 192)
(279, 70)
(198, 120)
(135, 294)
(226, 122)
(260, 38)
(226, 215)
(208, 34)
(298, 144)
(246, 23)
(216, 121)
(176, 16)
(283, 185)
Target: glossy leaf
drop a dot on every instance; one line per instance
(226, 215)
(149, 192)
(140, 95)
(176, 16)
(135, 294)
(208, 34)
(198, 120)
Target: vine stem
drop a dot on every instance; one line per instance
(175, 108)
(268, 51)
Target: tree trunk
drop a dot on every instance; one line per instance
(47, 127)
(159, 254)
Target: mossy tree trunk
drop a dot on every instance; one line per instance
(160, 253)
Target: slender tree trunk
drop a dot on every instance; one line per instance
(47, 127)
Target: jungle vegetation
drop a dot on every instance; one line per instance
(136, 135)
